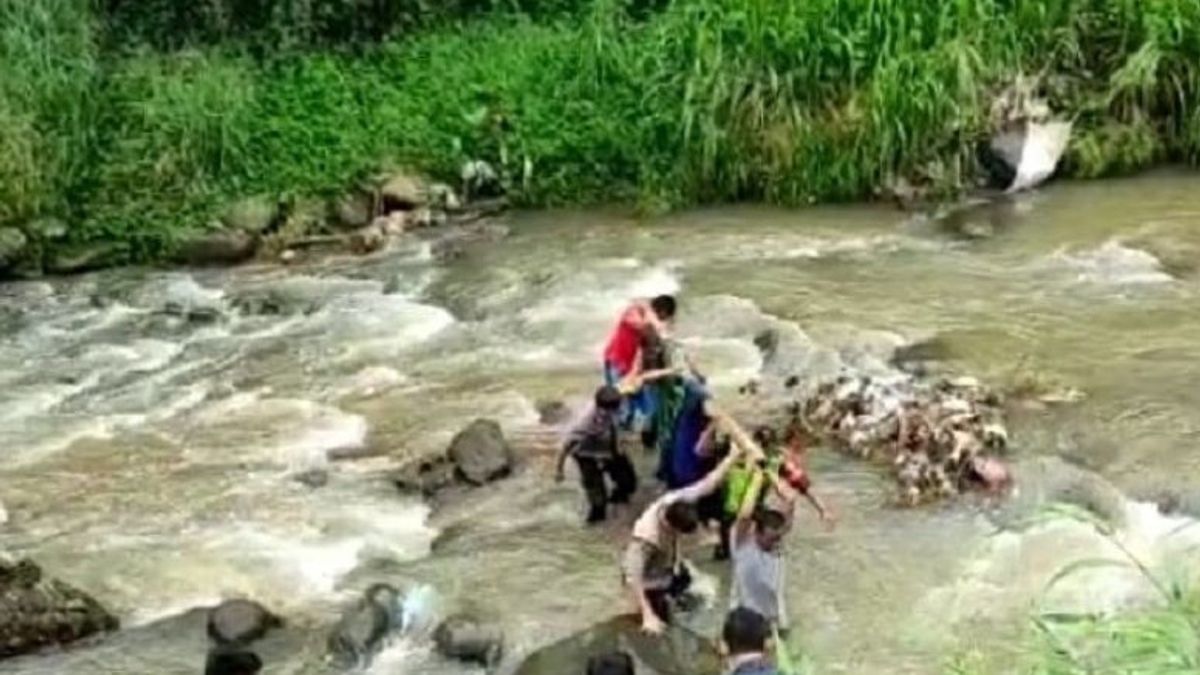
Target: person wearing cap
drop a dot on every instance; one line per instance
(594, 443)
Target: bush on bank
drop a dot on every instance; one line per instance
(135, 121)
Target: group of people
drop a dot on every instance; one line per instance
(742, 486)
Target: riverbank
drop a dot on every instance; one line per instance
(126, 130)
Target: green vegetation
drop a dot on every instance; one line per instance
(134, 121)
(1160, 640)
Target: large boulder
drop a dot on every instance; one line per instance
(37, 612)
(480, 453)
(12, 248)
(403, 192)
(352, 211)
(466, 638)
(239, 622)
(252, 215)
(218, 248)
(360, 633)
(678, 652)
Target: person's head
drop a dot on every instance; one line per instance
(745, 632)
(765, 437)
(664, 307)
(608, 398)
(613, 663)
(769, 528)
(221, 662)
(682, 517)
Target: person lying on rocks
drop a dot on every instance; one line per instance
(652, 566)
(745, 640)
(594, 443)
(622, 356)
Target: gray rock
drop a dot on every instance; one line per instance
(402, 192)
(468, 639)
(678, 652)
(219, 248)
(480, 453)
(37, 612)
(360, 632)
(352, 211)
(252, 215)
(82, 258)
(240, 622)
(426, 478)
(12, 247)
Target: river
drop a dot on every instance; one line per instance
(149, 458)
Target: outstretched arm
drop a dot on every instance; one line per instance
(709, 484)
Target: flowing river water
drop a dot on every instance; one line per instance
(151, 459)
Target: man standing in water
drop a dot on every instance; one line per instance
(744, 640)
(622, 353)
(652, 565)
(595, 445)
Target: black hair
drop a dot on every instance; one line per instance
(232, 663)
(664, 306)
(608, 398)
(745, 632)
(682, 517)
(613, 663)
(769, 519)
(766, 437)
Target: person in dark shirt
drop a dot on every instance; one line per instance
(594, 445)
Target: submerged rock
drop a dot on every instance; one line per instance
(37, 612)
(468, 639)
(678, 652)
(480, 453)
(427, 477)
(553, 413)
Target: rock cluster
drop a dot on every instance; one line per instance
(939, 437)
(37, 612)
(479, 454)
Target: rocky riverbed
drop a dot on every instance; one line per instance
(175, 439)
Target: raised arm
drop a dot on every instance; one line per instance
(709, 484)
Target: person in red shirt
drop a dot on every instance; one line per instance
(622, 354)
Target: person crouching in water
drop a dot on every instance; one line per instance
(594, 443)
(653, 569)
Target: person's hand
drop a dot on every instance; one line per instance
(829, 520)
(652, 625)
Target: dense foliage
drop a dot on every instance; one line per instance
(133, 119)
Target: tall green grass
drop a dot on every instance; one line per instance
(137, 120)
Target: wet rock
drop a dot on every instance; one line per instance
(553, 413)
(678, 652)
(468, 639)
(1046, 481)
(240, 622)
(426, 478)
(480, 180)
(38, 612)
(454, 243)
(352, 211)
(218, 248)
(252, 215)
(402, 192)
(368, 239)
(442, 197)
(480, 453)
(313, 478)
(12, 247)
(1184, 502)
(360, 633)
(82, 258)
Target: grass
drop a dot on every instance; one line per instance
(1163, 639)
(136, 121)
